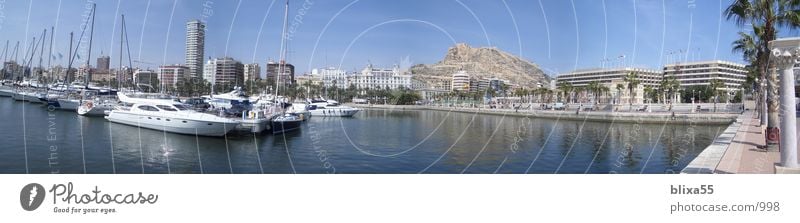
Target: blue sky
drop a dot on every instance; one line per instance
(559, 35)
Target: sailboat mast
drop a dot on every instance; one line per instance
(119, 71)
(50, 54)
(282, 61)
(69, 62)
(89, 55)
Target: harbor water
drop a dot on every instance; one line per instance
(36, 139)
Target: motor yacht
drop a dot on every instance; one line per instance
(170, 116)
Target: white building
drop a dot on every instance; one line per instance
(611, 77)
(224, 70)
(374, 78)
(331, 76)
(252, 72)
(701, 73)
(195, 46)
(460, 81)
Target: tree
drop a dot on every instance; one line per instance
(619, 92)
(768, 15)
(714, 85)
(633, 81)
(565, 88)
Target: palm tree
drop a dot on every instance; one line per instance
(768, 15)
(633, 81)
(648, 91)
(565, 88)
(715, 84)
(619, 92)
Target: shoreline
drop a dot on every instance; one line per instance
(594, 116)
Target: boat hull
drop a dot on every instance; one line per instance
(334, 112)
(6, 93)
(68, 104)
(254, 125)
(173, 125)
(280, 127)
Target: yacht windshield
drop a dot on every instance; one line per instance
(181, 107)
(166, 108)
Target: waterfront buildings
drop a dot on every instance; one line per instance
(252, 72)
(195, 46)
(224, 70)
(611, 77)
(701, 73)
(311, 79)
(331, 76)
(461, 81)
(282, 73)
(374, 78)
(103, 63)
(147, 77)
(173, 75)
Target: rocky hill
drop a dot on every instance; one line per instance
(480, 63)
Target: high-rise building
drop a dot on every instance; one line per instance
(173, 75)
(224, 70)
(252, 72)
(284, 78)
(195, 46)
(103, 63)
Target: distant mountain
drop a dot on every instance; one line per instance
(483, 62)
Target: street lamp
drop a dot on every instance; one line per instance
(785, 54)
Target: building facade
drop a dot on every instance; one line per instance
(374, 78)
(331, 76)
(148, 77)
(701, 73)
(224, 70)
(461, 81)
(286, 77)
(610, 78)
(252, 72)
(173, 75)
(195, 46)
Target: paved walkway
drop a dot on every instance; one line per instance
(746, 153)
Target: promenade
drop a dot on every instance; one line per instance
(739, 149)
(623, 116)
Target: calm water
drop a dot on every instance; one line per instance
(374, 141)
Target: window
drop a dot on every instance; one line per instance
(166, 108)
(181, 107)
(147, 108)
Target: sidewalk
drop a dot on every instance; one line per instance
(746, 153)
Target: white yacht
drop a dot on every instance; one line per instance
(96, 107)
(6, 90)
(170, 116)
(301, 109)
(330, 108)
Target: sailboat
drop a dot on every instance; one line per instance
(284, 122)
(96, 102)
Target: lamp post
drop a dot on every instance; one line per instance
(785, 54)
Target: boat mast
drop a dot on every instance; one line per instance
(282, 61)
(89, 55)
(69, 62)
(41, 52)
(119, 71)
(50, 54)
